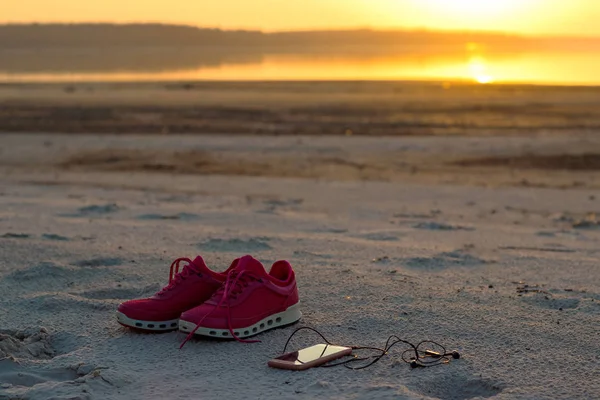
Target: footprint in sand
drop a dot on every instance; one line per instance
(562, 233)
(26, 344)
(551, 302)
(100, 262)
(272, 205)
(14, 375)
(93, 211)
(46, 272)
(438, 226)
(33, 381)
(55, 277)
(302, 254)
(380, 236)
(10, 235)
(559, 299)
(457, 388)
(273, 201)
(235, 245)
(47, 236)
(283, 202)
(442, 261)
(409, 215)
(336, 231)
(65, 342)
(171, 217)
(53, 236)
(546, 234)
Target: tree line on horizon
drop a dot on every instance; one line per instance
(101, 35)
(106, 35)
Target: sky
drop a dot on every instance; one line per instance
(537, 17)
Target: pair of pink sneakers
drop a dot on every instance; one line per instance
(241, 302)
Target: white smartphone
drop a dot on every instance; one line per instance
(310, 357)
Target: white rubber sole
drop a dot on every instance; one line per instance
(287, 317)
(157, 326)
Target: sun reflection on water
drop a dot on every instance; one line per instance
(478, 69)
(473, 63)
(477, 64)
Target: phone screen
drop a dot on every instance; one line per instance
(311, 353)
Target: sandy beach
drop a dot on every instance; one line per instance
(461, 214)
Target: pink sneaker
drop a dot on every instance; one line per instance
(186, 289)
(249, 302)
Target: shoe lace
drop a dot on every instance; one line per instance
(176, 277)
(235, 283)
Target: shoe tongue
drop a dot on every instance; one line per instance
(251, 264)
(199, 265)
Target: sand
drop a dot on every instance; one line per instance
(423, 261)
(300, 108)
(423, 237)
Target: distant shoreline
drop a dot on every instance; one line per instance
(188, 84)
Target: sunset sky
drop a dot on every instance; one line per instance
(574, 17)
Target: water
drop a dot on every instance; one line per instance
(188, 64)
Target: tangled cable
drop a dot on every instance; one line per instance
(420, 358)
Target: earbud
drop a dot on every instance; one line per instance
(438, 358)
(434, 354)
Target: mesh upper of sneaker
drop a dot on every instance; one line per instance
(186, 289)
(248, 295)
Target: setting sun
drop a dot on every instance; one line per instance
(479, 71)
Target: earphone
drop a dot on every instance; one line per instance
(419, 358)
(416, 363)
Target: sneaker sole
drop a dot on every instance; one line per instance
(152, 326)
(287, 317)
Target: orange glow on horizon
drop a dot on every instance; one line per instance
(565, 69)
